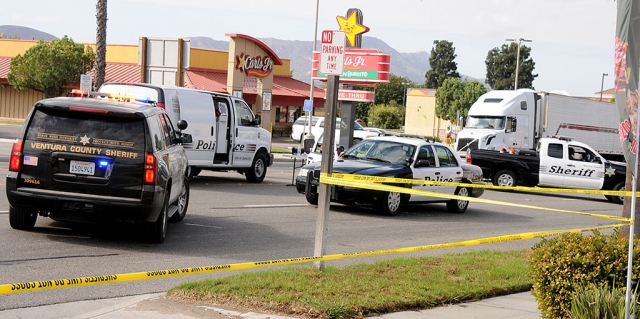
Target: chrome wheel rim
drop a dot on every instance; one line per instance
(505, 180)
(462, 204)
(182, 200)
(393, 201)
(259, 170)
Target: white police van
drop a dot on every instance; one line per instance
(226, 134)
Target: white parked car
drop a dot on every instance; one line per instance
(301, 127)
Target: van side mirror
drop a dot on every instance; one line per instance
(258, 119)
(182, 125)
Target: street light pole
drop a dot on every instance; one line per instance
(518, 58)
(312, 89)
(602, 85)
(404, 108)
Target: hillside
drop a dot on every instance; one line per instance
(25, 33)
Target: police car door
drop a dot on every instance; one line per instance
(433, 172)
(197, 109)
(584, 171)
(245, 139)
(553, 165)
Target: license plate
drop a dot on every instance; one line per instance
(84, 168)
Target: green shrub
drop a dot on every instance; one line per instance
(560, 265)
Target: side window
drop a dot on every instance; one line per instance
(555, 150)
(157, 131)
(172, 131)
(445, 157)
(244, 116)
(166, 132)
(426, 153)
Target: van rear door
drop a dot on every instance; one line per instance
(198, 110)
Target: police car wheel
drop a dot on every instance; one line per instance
(618, 199)
(157, 231)
(392, 202)
(505, 177)
(22, 218)
(258, 169)
(459, 206)
(182, 203)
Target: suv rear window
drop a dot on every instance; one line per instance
(108, 133)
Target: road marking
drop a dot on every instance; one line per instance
(275, 205)
(190, 224)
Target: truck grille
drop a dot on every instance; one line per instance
(464, 141)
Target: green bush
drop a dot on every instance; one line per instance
(560, 265)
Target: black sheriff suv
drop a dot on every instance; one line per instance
(97, 160)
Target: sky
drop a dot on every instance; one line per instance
(572, 40)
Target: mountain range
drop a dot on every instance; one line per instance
(412, 66)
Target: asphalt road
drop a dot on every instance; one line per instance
(232, 221)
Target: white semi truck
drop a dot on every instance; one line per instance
(518, 119)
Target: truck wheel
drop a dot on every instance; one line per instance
(157, 231)
(311, 198)
(505, 177)
(21, 218)
(258, 169)
(182, 203)
(618, 199)
(392, 202)
(194, 172)
(459, 206)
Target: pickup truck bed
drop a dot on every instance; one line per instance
(524, 167)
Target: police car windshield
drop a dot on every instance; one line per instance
(490, 122)
(381, 151)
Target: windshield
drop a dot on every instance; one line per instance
(492, 122)
(381, 151)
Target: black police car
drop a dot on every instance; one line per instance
(92, 159)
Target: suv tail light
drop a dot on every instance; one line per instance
(161, 105)
(15, 161)
(150, 169)
(469, 160)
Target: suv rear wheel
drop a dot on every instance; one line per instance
(157, 231)
(182, 202)
(22, 218)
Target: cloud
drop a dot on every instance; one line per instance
(22, 19)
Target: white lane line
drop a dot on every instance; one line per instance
(275, 205)
(190, 224)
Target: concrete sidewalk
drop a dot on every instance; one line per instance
(156, 306)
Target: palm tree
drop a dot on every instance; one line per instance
(101, 42)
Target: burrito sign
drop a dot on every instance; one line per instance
(626, 63)
(361, 66)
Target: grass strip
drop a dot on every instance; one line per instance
(360, 290)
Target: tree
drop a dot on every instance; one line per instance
(455, 95)
(385, 116)
(101, 42)
(395, 91)
(8, 36)
(442, 65)
(49, 66)
(501, 67)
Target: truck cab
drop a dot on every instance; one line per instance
(499, 119)
(570, 164)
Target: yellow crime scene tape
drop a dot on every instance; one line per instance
(96, 280)
(379, 179)
(330, 179)
(361, 181)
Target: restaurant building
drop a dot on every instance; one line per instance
(249, 69)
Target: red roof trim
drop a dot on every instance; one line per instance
(266, 48)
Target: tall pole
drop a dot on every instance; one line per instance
(518, 58)
(602, 85)
(404, 108)
(312, 89)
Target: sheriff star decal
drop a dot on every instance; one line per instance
(610, 171)
(84, 139)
